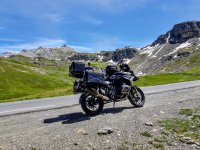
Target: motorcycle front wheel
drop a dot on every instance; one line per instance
(91, 106)
(136, 97)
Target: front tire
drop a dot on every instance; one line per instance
(91, 106)
(136, 97)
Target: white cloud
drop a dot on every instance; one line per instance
(9, 40)
(44, 42)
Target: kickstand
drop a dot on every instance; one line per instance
(113, 104)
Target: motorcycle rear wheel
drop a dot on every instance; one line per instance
(91, 106)
(136, 97)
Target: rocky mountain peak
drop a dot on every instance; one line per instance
(126, 53)
(180, 33)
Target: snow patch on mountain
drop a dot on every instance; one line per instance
(183, 45)
(111, 61)
(126, 61)
(149, 49)
(100, 58)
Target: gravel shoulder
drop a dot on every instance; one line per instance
(70, 128)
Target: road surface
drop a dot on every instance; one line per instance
(18, 107)
(70, 129)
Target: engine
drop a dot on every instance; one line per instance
(119, 92)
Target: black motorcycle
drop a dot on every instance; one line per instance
(100, 88)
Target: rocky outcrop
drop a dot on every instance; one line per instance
(118, 54)
(83, 57)
(180, 33)
(125, 53)
(177, 50)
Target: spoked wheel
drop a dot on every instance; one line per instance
(91, 106)
(136, 97)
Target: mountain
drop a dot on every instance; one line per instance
(57, 53)
(67, 53)
(177, 50)
(126, 53)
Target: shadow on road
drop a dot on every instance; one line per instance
(79, 116)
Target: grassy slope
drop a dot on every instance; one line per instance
(22, 78)
(185, 63)
(167, 78)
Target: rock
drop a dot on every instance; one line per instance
(190, 117)
(162, 112)
(166, 58)
(105, 131)
(190, 142)
(75, 143)
(183, 54)
(148, 124)
(180, 33)
(198, 144)
(126, 53)
(82, 131)
(119, 133)
(155, 130)
(187, 138)
(181, 135)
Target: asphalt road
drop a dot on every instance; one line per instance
(18, 107)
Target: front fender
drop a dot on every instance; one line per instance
(82, 97)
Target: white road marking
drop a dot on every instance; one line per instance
(31, 108)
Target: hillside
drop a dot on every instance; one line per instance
(177, 50)
(23, 78)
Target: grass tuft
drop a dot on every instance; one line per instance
(146, 134)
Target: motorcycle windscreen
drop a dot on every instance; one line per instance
(93, 78)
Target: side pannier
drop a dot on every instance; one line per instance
(94, 79)
(77, 69)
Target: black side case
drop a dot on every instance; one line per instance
(77, 69)
(94, 79)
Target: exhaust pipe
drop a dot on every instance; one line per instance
(94, 93)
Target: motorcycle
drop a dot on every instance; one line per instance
(98, 89)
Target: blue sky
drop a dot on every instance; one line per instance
(89, 25)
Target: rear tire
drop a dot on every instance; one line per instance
(91, 106)
(136, 97)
